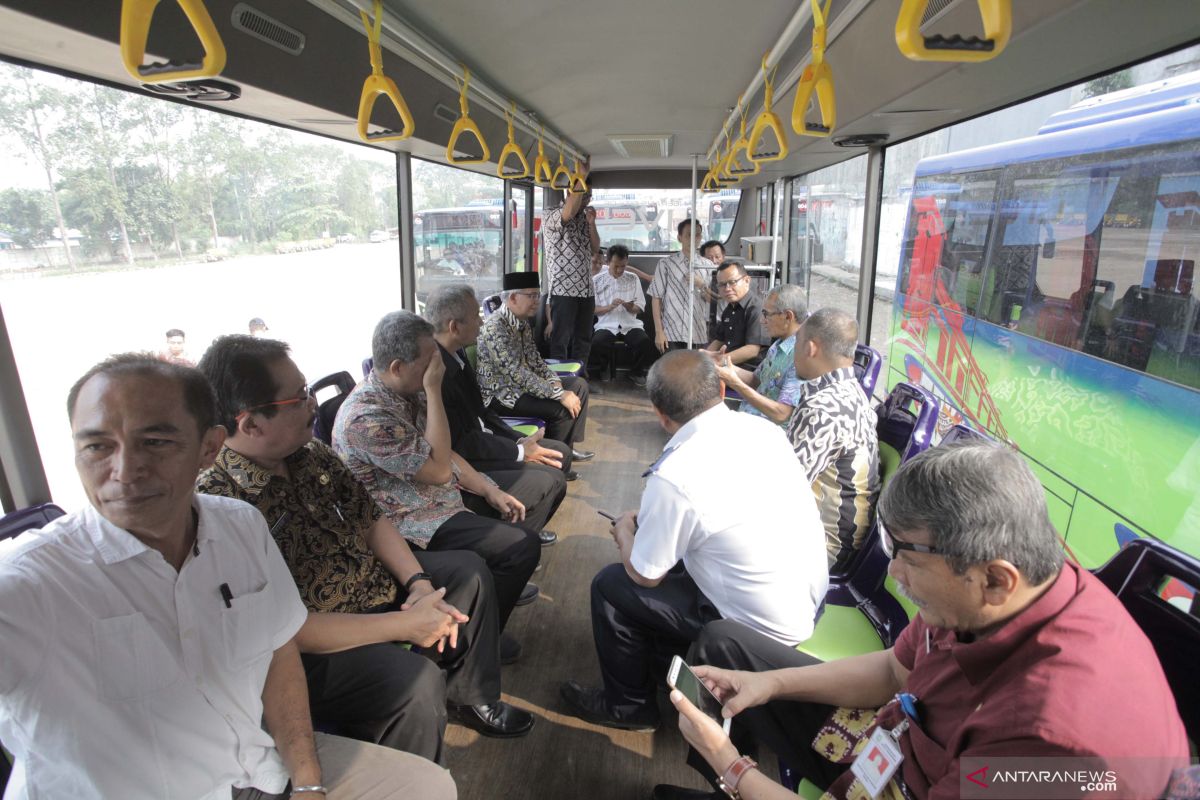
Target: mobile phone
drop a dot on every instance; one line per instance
(606, 515)
(682, 678)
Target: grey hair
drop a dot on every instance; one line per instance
(398, 337)
(454, 302)
(790, 297)
(834, 330)
(682, 384)
(980, 502)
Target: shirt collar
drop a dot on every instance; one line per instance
(830, 378)
(702, 421)
(115, 544)
(508, 316)
(979, 659)
(249, 476)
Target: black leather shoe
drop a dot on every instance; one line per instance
(572, 476)
(497, 719)
(528, 594)
(510, 649)
(667, 792)
(582, 455)
(547, 538)
(590, 706)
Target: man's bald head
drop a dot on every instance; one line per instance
(834, 331)
(683, 384)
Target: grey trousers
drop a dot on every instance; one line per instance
(354, 770)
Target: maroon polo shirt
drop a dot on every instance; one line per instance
(1071, 675)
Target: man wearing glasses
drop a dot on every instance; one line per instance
(1014, 654)
(739, 330)
(366, 591)
(515, 379)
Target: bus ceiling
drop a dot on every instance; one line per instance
(640, 68)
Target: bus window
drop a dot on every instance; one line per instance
(646, 219)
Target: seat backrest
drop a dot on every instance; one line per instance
(26, 519)
(867, 363)
(367, 364)
(964, 433)
(342, 383)
(491, 304)
(1141, 574)
(907, 420)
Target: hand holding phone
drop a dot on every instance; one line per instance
(681, 677)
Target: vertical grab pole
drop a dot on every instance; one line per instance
(691, 256)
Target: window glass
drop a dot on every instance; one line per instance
(517, 214)
(646, 219)
(458, 219)
(123, 217)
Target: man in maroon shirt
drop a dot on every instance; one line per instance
(1015, 655)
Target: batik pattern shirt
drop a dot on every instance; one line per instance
(568, 253)
(510, 364)
(674, 287)
(319, 516)
(832, 431)
(380, 434)
(776, 376)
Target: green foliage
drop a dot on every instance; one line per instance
(27, 216)
(1112, 82)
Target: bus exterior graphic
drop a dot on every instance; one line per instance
(1047, 295)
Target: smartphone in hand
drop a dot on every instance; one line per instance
(681, 677)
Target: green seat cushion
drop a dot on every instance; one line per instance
(567, 366)
(473, 356)
(525, 430)
(809, 790)
(841, 632)
(889, 461)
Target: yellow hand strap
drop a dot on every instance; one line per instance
(762, 148)
(740, 162)
(466, 125)
(511, 149)
(578, 180)
(997, 28)
(135, 30)
(377, 84)
(542, 174)
(562, 178)
(817, 76)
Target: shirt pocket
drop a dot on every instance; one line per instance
(131, 661)
(246, 628)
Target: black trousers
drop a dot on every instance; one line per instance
(510, 552)
(786, 727)
(389, 695)
(540, 489)
(637, 630)
(560, 425)
(490, 464)
(571, 333)
(636, 341)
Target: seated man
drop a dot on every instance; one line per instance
(514, 377)
(365, 590)
(771, 390)
(758, 563)
(619, 300)
(833, 431)
(1014, 654)
(529, 468)
(739, 325)
(714, 251)
(393, 435)
(148, 642)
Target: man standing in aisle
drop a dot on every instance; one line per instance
(681, 283)
(572, 241)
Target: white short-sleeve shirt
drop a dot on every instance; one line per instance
(728, 499)
(121, 678)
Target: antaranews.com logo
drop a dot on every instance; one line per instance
(1070, 778)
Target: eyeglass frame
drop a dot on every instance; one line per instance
(769, 314)
(734, 282)
(306, 395)
(892, 546)
(528, 294)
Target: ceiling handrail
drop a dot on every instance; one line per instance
(378, 84)
(817, 76)
(136, 16)
(997, 29)
(511, 149)
(768, 121)
(465, 125)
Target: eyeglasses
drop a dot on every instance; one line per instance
(529, 295)
(305, 394)
(727, 284)
(892, 545)
(769, 314)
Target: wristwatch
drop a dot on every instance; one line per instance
(417, 576)
(728, 783)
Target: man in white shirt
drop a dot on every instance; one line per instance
(761, 564)
(147, 642)
(619, 300)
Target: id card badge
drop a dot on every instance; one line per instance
(879, 760)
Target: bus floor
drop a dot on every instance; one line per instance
(564, 757)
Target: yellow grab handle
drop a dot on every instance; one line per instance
(817, 75)
(997, 28)
(466, 125)
(509, 150)
(542, 174)
(709, 184)
(562, 178)
(762, 149)
(376, 85)
(135, 31)
(740, 162)
(578, 181)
